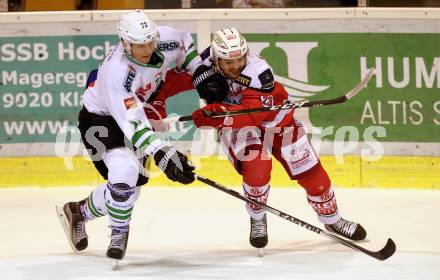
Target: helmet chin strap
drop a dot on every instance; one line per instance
(217, 69)
(127, 47)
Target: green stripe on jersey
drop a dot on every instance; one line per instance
(150, 139)
(189, 58)
(138, 134)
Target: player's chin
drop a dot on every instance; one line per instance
(145, 59)
(233, 75)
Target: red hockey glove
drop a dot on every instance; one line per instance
(200, 116)
(155, 112)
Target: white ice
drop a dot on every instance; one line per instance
(202, 233)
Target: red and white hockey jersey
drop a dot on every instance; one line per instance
(254, 88)
(275, 131)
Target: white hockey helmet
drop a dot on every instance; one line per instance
(228, 43)
(136, 28)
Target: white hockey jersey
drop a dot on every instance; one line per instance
(123, 85)
(257, 74)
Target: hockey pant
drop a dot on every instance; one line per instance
(251, 156)
(122, 167)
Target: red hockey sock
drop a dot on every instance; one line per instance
(316, 181)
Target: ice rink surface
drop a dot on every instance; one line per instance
(202, 233)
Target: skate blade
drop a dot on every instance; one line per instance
(260, 252)
(115, 264)
(65, 225)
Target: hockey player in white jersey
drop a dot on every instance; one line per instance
(251, 85)
(115, 128)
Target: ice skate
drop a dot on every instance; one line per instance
(258, 236)
(347, 229)
(73, 224)
(118, 244)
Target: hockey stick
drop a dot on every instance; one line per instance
(289, 105)
(383, 254)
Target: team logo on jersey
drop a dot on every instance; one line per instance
(130, 103)
(131, 73)
(167, 45)
(243, 80)
(267, 100)
(142, 92)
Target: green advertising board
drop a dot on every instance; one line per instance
(403, 95)
(43, 78)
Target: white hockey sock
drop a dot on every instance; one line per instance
(95, 204)
(259, 194)
(325, 207)
(120, 199)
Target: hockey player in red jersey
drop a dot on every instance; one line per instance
(252, 139)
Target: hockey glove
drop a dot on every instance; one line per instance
(175, 165)
(155, 110)
(201, 117)
(211, 86)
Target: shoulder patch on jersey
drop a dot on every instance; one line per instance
(131, 73)
(243, 80)
(206, 53)
(267, 100)
(169, 45)
(130, 103)
(266, 79)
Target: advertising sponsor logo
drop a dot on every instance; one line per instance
(167, 45)
(130, 103)
(243, 80)
(300, 158)
(235, 53)
(131, 74)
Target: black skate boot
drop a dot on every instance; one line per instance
(258, 235)
(118, 242)
(73, 223)
(348, 229)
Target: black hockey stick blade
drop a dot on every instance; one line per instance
(386, 252)
(291, 105)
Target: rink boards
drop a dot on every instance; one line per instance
(389, 172)
(315, 53)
